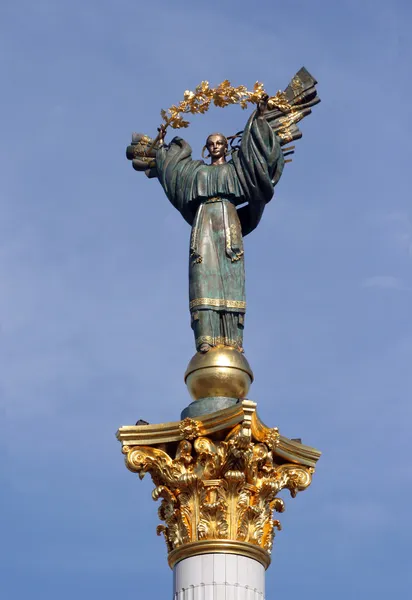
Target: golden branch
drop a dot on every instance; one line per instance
(223, 95)
(200, 100)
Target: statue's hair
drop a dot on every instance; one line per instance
(219, 134)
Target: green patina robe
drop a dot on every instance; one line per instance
(222, 203)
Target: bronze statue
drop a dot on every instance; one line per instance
(225, 200)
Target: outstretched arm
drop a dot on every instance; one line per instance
(176, 172)
(258, 163)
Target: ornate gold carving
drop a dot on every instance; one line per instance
(272, 438)
(164, 433)
(219, 489)
(218, 302)
(189, 428)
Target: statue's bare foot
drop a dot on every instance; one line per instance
(205, 348)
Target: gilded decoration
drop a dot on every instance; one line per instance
(217, 476)
(220, 487)
(272, 438)
(189, 428)
(218, 302)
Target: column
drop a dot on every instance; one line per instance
(218, 577)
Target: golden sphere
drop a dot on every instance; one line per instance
(221, 371)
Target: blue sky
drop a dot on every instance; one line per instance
(94, 325)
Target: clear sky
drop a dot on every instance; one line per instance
(94, 323)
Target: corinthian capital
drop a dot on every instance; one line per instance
(217, 479)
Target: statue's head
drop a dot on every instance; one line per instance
(217, 147)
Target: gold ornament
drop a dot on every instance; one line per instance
(219, 490)
(272, 438)
(199, 101)
(189, 428)
(279, 101)
(223, 371)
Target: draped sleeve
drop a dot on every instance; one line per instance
(259, 164)
(176, 172)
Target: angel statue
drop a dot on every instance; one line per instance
(224, 201)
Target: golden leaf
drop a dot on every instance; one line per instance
(203, 87)
(179, 123)
(279, 101)
(258, 87)
(188, 95)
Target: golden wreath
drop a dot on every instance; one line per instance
(285, 110)
(223, 95)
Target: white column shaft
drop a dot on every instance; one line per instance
(219, 577)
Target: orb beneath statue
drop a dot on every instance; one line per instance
(220, 372)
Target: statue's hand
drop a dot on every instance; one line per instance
(262, 105)
(162, 133)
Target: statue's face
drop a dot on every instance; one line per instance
(217, 146)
